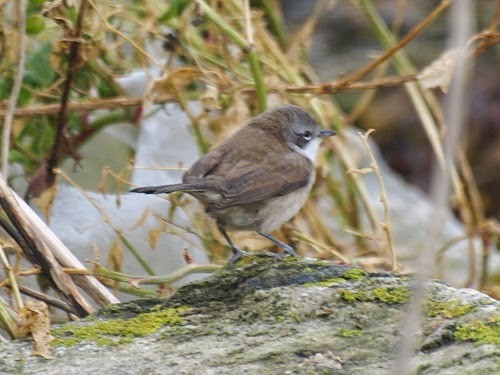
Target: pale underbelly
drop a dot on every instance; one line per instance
(267, 216)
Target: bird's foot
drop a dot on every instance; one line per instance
(237, 255)
(287, 248)
(277, 256)
(289, 251)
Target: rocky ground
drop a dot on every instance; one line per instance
(264, 316)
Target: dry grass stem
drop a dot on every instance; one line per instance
(140, 259)
(386, 224)
(318, 245)
(12, 279)
(16, 87)
(411, 35)
(37, 235)
(456, 110)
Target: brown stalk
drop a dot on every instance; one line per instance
(123, 102)
(412, 34)
(39, 253)
(45, 177)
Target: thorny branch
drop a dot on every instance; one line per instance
(46, 176)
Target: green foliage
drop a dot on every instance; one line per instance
(36, 138)
(175, 10)
(35, 5)
(34, 25)
(38, 70)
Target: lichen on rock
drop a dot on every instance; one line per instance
(268, 316)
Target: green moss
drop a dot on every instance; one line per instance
(350, 332)
(295, 316)
(387, 295)
(392, 295)
(258, 258)
(480, 332)
(354, 274)
(327, 282)
(351, 296)
(448, 309)
(291, 259)
(118, 331)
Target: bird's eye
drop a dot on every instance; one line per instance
(307, 135)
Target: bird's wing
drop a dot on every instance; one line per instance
(250, 182)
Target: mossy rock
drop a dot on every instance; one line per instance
(268, 316)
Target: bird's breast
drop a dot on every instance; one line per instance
(279, 210)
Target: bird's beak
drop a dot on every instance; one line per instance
(326, 133)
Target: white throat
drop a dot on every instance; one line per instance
(310, 151)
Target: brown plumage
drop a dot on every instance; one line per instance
(259, 177)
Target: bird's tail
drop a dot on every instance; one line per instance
(167, 189)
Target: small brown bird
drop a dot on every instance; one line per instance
(260, 177)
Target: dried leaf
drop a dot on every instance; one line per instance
(210, 98)
(439, 72)
(155, 234)
(142, 219)
(361, 170)
(35, 320)
(115, 257)
(101, 188)
(45, 201)
(179, 77)
(58, 11)
(187, 256)
(40, 181)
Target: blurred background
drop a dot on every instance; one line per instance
(344, 40)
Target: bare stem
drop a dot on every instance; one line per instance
(140, 259)
(12, 278)
(16, 87)
(386, 225)
(244, 44)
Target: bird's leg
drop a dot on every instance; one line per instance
(237, 252)
(288, 249)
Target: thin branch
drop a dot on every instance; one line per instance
(386, 225)
(245, 45)
(260, 86)
(49, 300)
(412, 34)
(44, 237)
(123, 102)
(16, 88)
(88, 106)
(275, 20)
(135, 280)
(486, 40)
(318, 245)
(62, 121)
(8, 319)
(38, 250)
(339, 85)
(12, 278)
(137, 255)
(122, 35)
